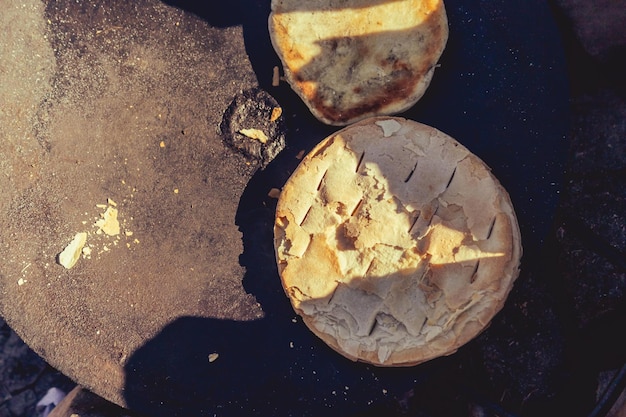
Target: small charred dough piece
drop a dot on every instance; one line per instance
(354, 59)
(395, 243)
(253, 124)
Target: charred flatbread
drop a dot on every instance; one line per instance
(349, 60)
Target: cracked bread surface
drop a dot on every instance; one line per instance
(353, 59)
(395, 243)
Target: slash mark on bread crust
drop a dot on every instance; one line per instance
(356, 208)
(414, 222)
(306, 215)
(411, 173)
(369, 268)
(374, 325)
(358, 165)
(319, 186)
(493, 223)
(330, 299)
(451, 178)
(430, 221)
(424, 270)
(475, 273)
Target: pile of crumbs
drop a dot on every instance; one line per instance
(106, 233)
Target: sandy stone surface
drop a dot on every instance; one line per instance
(72, 113)
(24, 79)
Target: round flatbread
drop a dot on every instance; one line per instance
(395, 243)
(352, 59)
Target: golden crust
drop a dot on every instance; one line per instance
(349, 63)
(395, 243)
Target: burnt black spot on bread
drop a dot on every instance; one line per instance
(378, 100)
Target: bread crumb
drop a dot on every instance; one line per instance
(255, 134)
(162, 144)
(275, 77)
(70, 255)
(274, 193)
(213, 357)
(276, 113)
(108, 222)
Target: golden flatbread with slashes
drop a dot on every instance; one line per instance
(395, 243)
(352, 59)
